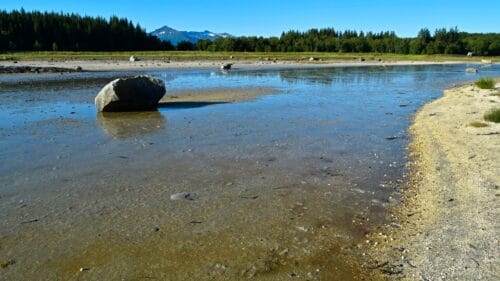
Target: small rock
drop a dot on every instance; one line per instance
(184, 195)
(471, 70)
(226, 66)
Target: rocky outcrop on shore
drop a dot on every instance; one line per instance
(37, 69)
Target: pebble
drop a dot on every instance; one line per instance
(184, 195)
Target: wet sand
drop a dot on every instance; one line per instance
(217, 95)
(447, 227)
(278, 198)
(80, 206)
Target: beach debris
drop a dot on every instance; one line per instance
(226, 66)
(82, 269)
(471, 70)
(130, 94)
(184, 196)
(253, 197)
(302, 228)
(30, 221)
(6, 263)
(133, 58)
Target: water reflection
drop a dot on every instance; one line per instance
(122, 125)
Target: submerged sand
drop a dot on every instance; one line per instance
(447, 227)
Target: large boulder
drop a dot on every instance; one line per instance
(130, 94)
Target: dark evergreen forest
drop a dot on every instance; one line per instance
(36, 31)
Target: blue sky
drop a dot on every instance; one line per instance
(271, 17)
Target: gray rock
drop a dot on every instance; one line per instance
(184, 196)
(471, 70)
(130, 94)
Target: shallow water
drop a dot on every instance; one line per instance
(288, 184)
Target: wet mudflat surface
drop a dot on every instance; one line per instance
(286, 180)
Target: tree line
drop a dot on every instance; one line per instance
(443, 41)
(37, 31)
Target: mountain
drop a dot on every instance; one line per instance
(175, 36)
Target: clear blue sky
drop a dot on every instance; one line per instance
(271, 17)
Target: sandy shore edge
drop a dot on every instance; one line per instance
(447, 226)
(110, 65)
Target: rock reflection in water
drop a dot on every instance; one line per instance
(131, 124)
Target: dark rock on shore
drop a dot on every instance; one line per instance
(130, 94)
(37, 69)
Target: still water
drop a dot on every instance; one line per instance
(287, 184)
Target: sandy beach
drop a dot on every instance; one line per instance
(447, 226)
(108, 65)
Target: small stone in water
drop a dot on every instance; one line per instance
(184, 195)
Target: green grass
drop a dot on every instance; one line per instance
(493, 115)
(478, 124)
(199, 55)
(486, 83)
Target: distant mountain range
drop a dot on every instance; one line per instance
(175, 36)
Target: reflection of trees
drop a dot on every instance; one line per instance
(131, 124)
(366, 75)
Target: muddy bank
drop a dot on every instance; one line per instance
(447, 227)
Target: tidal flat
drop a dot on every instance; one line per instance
(292, 169)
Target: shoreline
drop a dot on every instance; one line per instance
(116, 65)
(446, 227)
